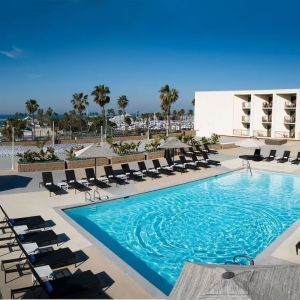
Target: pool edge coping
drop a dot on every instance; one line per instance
(150, 288)
(136, 276)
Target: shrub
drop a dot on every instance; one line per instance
(153, 145)
(215, 138)
(38, 156)
(122, 148)
(71, 153)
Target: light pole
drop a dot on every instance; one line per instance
(13, 149)
(53, 135)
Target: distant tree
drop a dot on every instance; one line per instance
(168, 97)
(174, 114)
(193, 102)
(16, 122)
(190, 112)
(40, 116)
(122, 103)
(181, 113)
(111, 112)
(101, 97)
(32, 106)
(80, 103)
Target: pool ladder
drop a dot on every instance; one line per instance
(246, 164)
(95, 197)
(236, 258)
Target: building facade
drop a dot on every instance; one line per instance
(259, 113)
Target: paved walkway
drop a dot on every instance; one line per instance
(31, 200)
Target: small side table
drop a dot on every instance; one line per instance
(45, 272)
(63, 185)
(21, 229)
(30, 248)
(84, 182)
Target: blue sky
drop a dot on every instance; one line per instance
(50, 49)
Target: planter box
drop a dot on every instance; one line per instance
(127, 158)
(102, 161)
(80, 163)
(42, 166)
(229, 146)
(155, 154)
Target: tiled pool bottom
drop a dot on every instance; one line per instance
(207, 221)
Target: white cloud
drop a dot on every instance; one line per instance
(15, 52)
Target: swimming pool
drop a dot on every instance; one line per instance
(207, 221)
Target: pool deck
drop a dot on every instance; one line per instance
(30, 200)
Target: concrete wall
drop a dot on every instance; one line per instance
(213, 113)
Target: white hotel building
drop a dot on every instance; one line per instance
(260, 113)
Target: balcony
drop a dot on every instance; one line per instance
(245, 119)
(289, 120)
(284, 134)
(266, 119)
(241, 132)
(290, 105)
(267, 105)
(246, 105)
(262, 133)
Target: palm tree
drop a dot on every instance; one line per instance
(101, 97)
(167, 97)
(32, 106)
(80, 102)
(122, 103)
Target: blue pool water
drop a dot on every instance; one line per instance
(207, 221)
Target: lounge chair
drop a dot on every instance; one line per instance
(189, 164)
(201, 163)
(185, 153)
(179, 167)
(193, 151)
(65, 287)
(296, 161)
(112, 175)
(198, 148)
(210, 161)
(285, 157)
(256, 155)
(33, 222)
(49, 184)
(151, 172)
(91, 178)
(162, 169)
(208, 150)
(41, 238)
(55, 259)
(133, 174)
(73, 183)
(271, 156)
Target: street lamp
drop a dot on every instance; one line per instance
(13, 149)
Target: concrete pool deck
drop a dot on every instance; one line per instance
(31, 200)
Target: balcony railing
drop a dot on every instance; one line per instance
(289, 120)
(241, 132)
(267, 105)
(246, 105)
(266, 119)
(290, 105)
(261, 133)
(284, 134)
